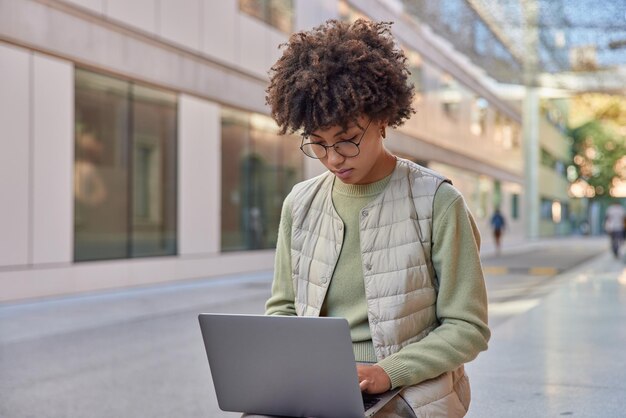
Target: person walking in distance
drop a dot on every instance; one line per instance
(497, 226)
(614, 226)
(379, 240)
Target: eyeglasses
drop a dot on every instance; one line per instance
(344, 148)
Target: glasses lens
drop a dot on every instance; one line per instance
(347, 148)
(313, 150)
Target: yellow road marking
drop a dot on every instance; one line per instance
(495, 270)
(543, 271)
(531, 271)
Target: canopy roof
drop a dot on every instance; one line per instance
(581, 44)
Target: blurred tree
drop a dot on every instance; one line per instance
(599, 141)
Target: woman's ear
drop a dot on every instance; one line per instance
(383, 131)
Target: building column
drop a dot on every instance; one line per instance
(530, 127)
(15, 149)
(52, 162)
(199, 179)
(530, 118)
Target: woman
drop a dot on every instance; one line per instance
(377, 239)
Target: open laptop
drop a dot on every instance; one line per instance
(285, 365)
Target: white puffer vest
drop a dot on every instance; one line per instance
(400, 282)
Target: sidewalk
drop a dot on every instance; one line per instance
(565, 357)
(21, 321)
(138, 352)
(488, 249)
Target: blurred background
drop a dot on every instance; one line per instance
(136, 131)
(141, 174)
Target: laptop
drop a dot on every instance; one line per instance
(285, 365)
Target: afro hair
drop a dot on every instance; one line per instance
(338, 72)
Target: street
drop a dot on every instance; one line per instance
(519, 278)
(139, 353)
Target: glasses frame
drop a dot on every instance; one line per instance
(334, 146)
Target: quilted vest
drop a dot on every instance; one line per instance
(400, 282)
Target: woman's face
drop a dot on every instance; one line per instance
(373, 161)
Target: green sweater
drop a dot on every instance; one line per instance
(461, 299)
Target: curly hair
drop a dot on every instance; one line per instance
(337, 72)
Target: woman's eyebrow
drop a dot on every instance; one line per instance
(343, 131)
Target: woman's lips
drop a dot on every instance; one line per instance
(343, 174)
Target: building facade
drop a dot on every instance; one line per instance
(556, 217)
(136, 147)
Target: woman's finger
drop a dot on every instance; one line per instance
(363, 385)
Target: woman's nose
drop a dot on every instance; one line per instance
(334, 156)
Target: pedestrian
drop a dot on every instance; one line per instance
(498, 223)
(379, 240)
(614, 226)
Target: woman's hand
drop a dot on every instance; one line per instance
(373, 379)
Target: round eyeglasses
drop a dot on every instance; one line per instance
(344, 148)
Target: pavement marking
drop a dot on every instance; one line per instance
(496, 270)
(543, 271)
(531, 271)
(512, 307)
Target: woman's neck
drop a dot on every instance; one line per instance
(387, 165)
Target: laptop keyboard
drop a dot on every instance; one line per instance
(369, 400)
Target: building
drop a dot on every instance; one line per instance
(555, 149)
(136, 148)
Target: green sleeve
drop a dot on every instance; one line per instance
(281, 302)
(461, 299)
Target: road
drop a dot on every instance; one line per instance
(518, 279)
(139, 353)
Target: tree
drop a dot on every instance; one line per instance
(599, 144)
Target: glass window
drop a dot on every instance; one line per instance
(431, 79)
(415, 67)
(124, 169)
(516, 134)
(281, 15)
(552, 162)
(154, 172)
(497, 193)
(235, 145)
(451, 14)
(265, 196)
(459, 22)
(485, 189)
(479, 116)
(451, 95)
(483, 39)
(254, 8)
(557, 212)
(547, 159)
(508, 135)
(515, 206)
(546, 209)
(259, 168)
(565, 211)
(277, 13)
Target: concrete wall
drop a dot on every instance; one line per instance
(52, 160)
(37, 151)
(216, 29)
(200, 172)
(15, 154)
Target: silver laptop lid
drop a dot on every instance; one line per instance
(281, 365)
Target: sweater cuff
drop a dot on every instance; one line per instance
(364, 352)
(396, 370)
